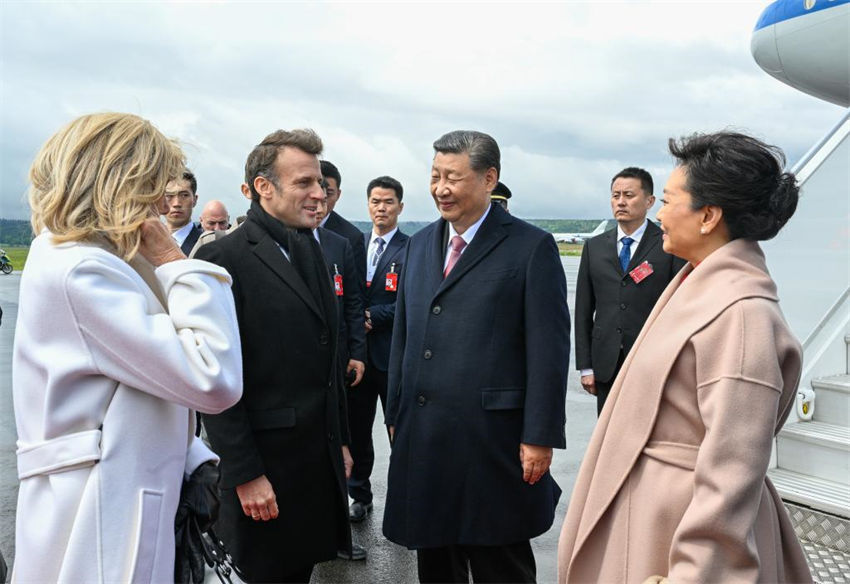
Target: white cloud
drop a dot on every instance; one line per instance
(573, 91)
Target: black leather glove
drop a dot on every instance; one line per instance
(196, 513)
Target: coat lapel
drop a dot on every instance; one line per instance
(433, 275)
(489, 235)
(270, 254)
(683, 309)
(651, 238)
(389, 254)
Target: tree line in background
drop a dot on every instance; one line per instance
(19, 232)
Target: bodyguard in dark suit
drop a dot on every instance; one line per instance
(621, 275)
(180, 198)
(335, 222)
(477, 379)
(384, 253)
(348, 288)
(282, 446)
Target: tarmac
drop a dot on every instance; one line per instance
(386, 562)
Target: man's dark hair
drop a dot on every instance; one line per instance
(482, 149)
(329, 170)
(385, 182)
(261, 160)
(634, 172)
(741, 175)
(193, 182)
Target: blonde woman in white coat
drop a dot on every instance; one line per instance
(118, 339)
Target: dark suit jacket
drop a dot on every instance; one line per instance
(352, 331)
(478, 365)
(341, 226)
(191, 239)
(610, 307)
(380, 302)
(290, 424)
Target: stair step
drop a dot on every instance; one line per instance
(824, 495)
(817, 449)
(832, 401)
(821, 433)
(834, 382)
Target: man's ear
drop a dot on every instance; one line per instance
(491, 179)
(263, 186)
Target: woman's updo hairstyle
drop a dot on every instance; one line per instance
(741, 175)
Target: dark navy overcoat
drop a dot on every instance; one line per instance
(478, 365)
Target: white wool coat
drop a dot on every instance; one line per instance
(109, 361)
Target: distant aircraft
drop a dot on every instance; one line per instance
(788, 42)
(579, 237)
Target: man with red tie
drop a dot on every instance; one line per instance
(477, 379)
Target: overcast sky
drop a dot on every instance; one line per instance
(572, 91)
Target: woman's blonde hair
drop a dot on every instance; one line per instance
(101, 176)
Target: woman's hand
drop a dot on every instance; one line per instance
(157, 245)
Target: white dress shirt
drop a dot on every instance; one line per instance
(466, 235)
(373, 247)
(181, 234)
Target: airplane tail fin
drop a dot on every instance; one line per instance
(599, 228)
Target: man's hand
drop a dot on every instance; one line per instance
(368, 322)
(157, 246)
(588, 382)
(258, 499)
(359, 368)
(535, 461)
(392, 433)
(347, 461)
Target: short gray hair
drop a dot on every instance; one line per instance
(482, 149)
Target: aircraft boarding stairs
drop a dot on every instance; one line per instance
(810, 261)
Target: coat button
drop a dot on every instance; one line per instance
(323, 338)
(623, 283)
(331, 436)
(427, 353)
(421, 400)
(619, 331)
(623, 306)
(436, 310)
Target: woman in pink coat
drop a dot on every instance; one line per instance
(673, 482)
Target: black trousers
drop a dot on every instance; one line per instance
(362, 407)
(603, 388)
(503, 563)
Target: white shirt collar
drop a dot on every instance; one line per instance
(471, 230)
(636, 236)
(386, 237)
(325, 220)
(181, 234)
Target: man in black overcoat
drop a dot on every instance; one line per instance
(284, 506)
(477, 379)
(618, 284)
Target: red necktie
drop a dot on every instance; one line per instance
(458, 244)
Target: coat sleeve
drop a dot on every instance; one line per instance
(189, 355)
(547, 347)
(353, 302)
(585, 308)
(230, 432)
(739, 383)
(397, 348)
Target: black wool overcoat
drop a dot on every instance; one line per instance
(290, 424)
(478, 366)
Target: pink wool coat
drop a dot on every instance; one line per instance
(673, 481)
